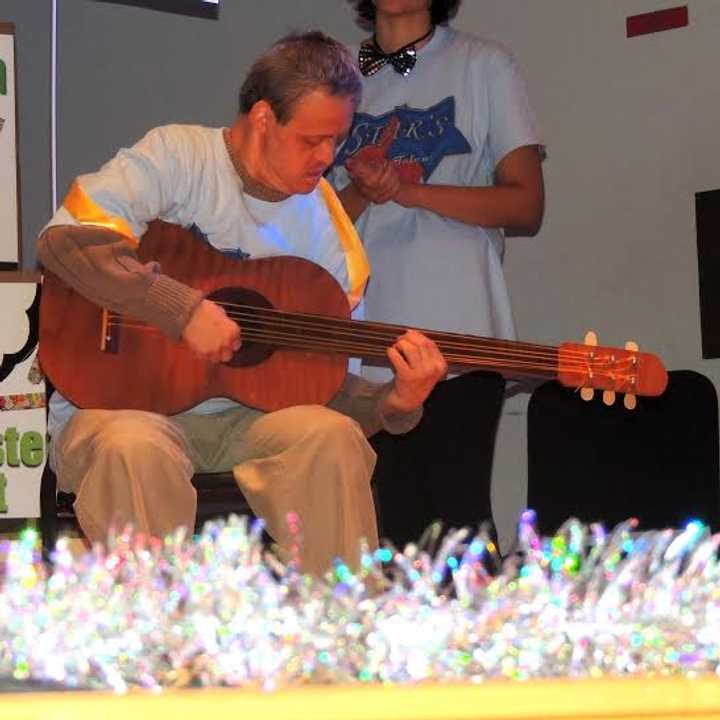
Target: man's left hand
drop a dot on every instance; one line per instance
(418, 366)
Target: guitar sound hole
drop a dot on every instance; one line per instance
(240, 304)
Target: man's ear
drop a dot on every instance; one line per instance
(261, 116)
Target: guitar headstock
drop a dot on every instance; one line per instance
(590, 367)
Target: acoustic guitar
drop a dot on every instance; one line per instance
(297, 336)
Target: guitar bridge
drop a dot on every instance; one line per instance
(109, 340)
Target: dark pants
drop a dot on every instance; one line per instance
(441, 469)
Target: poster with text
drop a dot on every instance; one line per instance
(9, 228)
(22, 401)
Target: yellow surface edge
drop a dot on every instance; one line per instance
(496, 700)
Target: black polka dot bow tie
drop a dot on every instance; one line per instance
(371, 58)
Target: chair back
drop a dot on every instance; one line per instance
(658, 463)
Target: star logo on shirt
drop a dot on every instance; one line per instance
(236, 253)
(423, 136)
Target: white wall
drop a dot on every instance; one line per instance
(632, 133)
(630, 127)
(124, 70)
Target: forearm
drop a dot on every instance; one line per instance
(353, 202)
(397, 418)
(506, 206)
(100, 265)
(372, 406)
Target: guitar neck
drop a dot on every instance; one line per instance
(370, 341)
(508, 357)
(574, 365)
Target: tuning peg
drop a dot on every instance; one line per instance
(630, 401)
(631, 346)
(609, 397)
(587, 393)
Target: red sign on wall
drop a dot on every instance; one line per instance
(657, 21)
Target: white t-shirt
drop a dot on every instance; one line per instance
(462, 109)
(182, 174)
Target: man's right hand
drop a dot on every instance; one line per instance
(211, 334)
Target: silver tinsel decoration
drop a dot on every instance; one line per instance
(220, 610)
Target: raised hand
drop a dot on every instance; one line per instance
(377, 178)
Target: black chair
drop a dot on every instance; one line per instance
(218, 496)
(441, 470)
(658, 463)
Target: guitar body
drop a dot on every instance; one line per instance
(141, 368)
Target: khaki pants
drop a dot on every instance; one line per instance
(135, 467)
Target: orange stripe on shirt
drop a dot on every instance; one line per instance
(87, 212)
(356, 260)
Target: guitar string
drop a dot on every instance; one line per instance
(292, 341)
(514, 357)
(621, 380)
(388, 333)
(371, 329)
(351, 324)
(376, 330)
(526, 369)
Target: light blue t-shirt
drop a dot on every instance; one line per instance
(462, 109)
(183, 174)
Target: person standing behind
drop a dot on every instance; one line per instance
(442, 160)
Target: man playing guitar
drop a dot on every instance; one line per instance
(254, 190)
